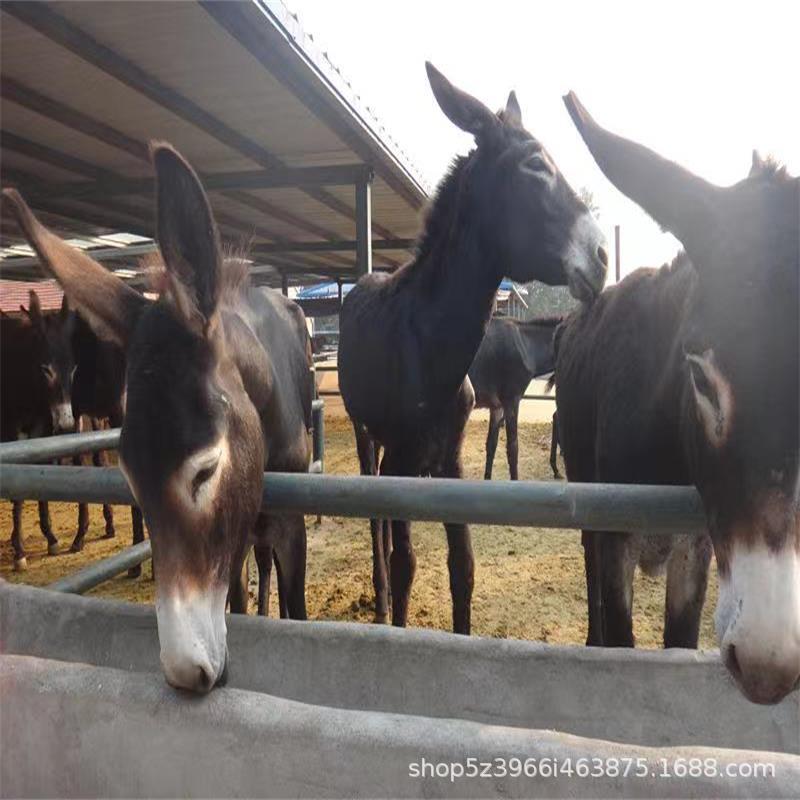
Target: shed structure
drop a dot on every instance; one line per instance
(298, 168)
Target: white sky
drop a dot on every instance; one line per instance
(701, 82)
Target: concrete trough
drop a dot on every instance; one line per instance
(344, 710)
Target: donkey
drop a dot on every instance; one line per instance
(690, 374)
(407, 339)
(511, 355)
(218, 389)
(37, 366)
(98, 393)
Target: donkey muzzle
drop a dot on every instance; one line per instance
(758, 621)
(192, 634)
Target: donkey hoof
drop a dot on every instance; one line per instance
(76, 547)
(53, 549)
(381, 619)
(135, 572)
(110, 534)
(20, 564)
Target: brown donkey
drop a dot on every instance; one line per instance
(407, 340)
(691, 374)
(98, 394)
(37, 366)
(219, 389)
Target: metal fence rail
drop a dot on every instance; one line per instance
(103, 570)
(593, 506)
(30, 451)
(47, 448)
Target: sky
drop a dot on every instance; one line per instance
(702, 82)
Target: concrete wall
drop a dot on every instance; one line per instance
(657, 699)
(74, 730)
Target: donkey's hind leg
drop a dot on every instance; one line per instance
(511, 412)
(617, 567)
(367, 459)
(17, 540)
(495, 419)
(47, 529)
(238, 596)
(687, 579)
(264, 556)
(591, 560)
(554, 447)
(290, 562)
(101, 460)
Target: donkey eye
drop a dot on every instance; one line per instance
(701, 382)
(202, 476)
(536, 164)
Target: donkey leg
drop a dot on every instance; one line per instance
(511, 413)
(137, 523)
(237, 591)
(403, 560)
(264, 564)
(101, 460)
(591, 560)
(617, 566)
(367, 459)
(461, 566)
(290, 561)
(495, 418)
(687, 579)
(17, 541)
(460, 559)
(47, 530)
(83, 424)
(554, 447)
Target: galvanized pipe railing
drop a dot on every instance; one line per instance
(593, 506)
(47, 448)
(31, 451)
(101, 571)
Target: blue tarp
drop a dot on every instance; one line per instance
(327, 291)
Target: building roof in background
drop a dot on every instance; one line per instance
(14, 294)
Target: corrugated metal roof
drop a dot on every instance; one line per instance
(236, 87)
(15, 294)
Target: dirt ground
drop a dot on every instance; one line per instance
(529, 582)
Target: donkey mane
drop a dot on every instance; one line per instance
(438, 215)
(771, 169)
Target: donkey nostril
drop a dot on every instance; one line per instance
(204, 680)
(602, 255)
(732, 662)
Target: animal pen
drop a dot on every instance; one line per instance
(297, 166)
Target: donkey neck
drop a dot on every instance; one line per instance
(456, 279)
(537, 339)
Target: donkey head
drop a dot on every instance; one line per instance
(56, 360)
(524, 208)
(741, 378)
(191, 445)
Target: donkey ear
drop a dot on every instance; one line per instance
(64, 313)
(462, 109)
(34, 310)
(188, 236)
(757, 163)
(513, 113)
(111, 308)
(679, 201)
